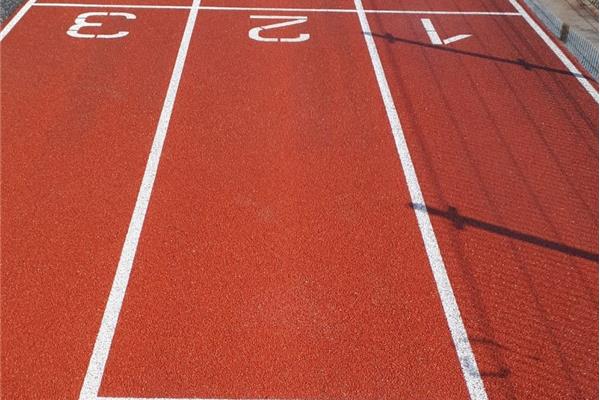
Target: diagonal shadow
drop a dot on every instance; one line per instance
(461, 221)
(520, 62)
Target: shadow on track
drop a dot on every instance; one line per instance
(461, 221)
(520, 62)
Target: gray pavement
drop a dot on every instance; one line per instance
(7, 7)
(575, 23)
(579, 15)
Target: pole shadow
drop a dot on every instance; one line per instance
(519, 61)
(462, 221)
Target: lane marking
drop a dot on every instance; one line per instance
(431, 32)
(282, 9)
(559, 53)
(14, 20)
(190, 398)
(254, 33)
(95, 371)
(82, 5)
(276, 9)
(455, 323)
(82, 22)
(434, 37)
(353, 11)
(498, 13)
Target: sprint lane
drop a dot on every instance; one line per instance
(278, 257)
(505, 143)
(78, 116)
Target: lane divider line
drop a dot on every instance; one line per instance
(491, 13)
(95, 371)
(14, 20)
(353, 11)
(278, 9)
(556, 49)
(90, 5)
(455, 323)
(190, 398)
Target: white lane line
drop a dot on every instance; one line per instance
(559, 53)
(189, 398)
(14, 20)
(457, 329)
(95, 371)
(277, 9)
(431, 32)
(427, 12)
(353, 11)
(86, 5)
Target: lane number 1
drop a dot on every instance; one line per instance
(82, 22)
(255, 33)
(435, 37)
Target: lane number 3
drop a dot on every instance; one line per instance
(255, 33)
(82, 22)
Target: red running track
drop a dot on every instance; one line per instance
(290, 265)
(280, 255)
(506, 147)
(77, 122)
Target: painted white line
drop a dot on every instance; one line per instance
(83, 5)
(457, 329)
(188, 398)
(434, 37)
(14, 20)
(278, 9)
(559, 53)
(427, 12)
(95, 371)
(353, 11)
(431, 32)
(278, 17)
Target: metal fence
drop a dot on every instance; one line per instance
(585, 52)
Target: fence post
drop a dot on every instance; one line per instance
(564, 32)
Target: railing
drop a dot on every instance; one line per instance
(585, 52)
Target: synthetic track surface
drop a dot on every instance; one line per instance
(300, 221)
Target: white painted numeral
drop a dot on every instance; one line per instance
(82, 22)
(435, 37)
(254, 33)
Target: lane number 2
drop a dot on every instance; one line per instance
(82, 22)
(255, 33)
